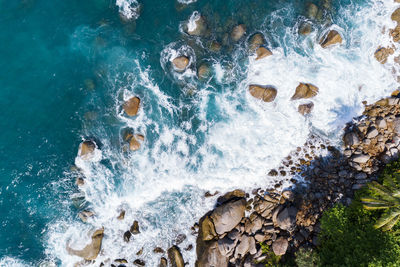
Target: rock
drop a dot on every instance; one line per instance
(305, 109)
(395, 33)
(226, 246)
(207, 229)
(305, 90)
(215, 46)
(235, 194)
(256, 40)
(305, 28)
(86, 149)
(262, 52)
(396, 126)
(396, 15)
(267, 94)
(286, 219)
(139, 262)
(158, 250)
(209, 255)
(135, 228)
(121, 260)
(228, 215)
(372, 133)
(189, 247)
(134, 144)
(91, 251)
(180, 238)
(246, 244)
(280, 246)
(131, 106)
(289, 195)
(350, 139)
(127, 236)
(251, 227)
(238, 32)
(312, 11)
(197, 27)
(333, 37)
(180, 63)
(163, 262)
(79, 181)
(85, 215)
(360, 158)
(175, 257)
(361, 176)
(121, 215)
(203, 71)
(382, 54)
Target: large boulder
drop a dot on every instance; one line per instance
(210, 255)
(91, 251)
(235, 194)
(180, 63)
(206, 229)
(267, 94)
(286, 219)
(228, 215)
(333, 37)
(131, 106)
(305, 90)
(350, 139)
(280, 246)
(238, 32)
(247, 244)
(175, 257)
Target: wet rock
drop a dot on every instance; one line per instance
(256, 41)
(121, 261)
(305, 109)
(85, 215)
(121, 215)
(180, 63)
(333, 37)
(135, 228)
(90, 251)
(127, 236)
(139, 263)
(238, 32)
(267, 94)
(215, 46)
(79, 181)
(350, 139)
(180, 238)
(262, 52)
(312, 11)
(134, 143)
(175, 257)
(131, 106)
(228, 215)
(207, 229)
(86, 149)
(198, 28)
(235, 194)
(286, 219)
(158, 250)
(280, 246)
(396, 15)
(382, 54)
(305, 90)
(163, 262)
(305, 28)
(209, 255)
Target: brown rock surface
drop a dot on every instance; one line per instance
(267, 94)
(131, 106)
(333, 37)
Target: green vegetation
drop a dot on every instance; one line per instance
(271, 259)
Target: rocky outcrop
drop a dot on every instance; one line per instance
(175, 257)
(267, 93)
(91, 251)
(180, 63)
(331, 38)
(131, 106)
(304, 91)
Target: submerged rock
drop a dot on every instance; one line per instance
(175, 257)
(267, 94)
(131, 106)
(305, 90)
(180, 63)
(262, 52)
(238, 32)
(312, 11)
(255, 41)
(305, 28)
(203, 72)
(197, 27)
(85, 215)
(333, 37)
(91, 251)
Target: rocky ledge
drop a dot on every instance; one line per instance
(234, 232)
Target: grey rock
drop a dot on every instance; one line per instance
(228, 215)
(246, 245)
(381, 123)
(372, 133)
(351, 139)
(361, 176)
(209, 255)
(280, 246)
(226, 246)
(286, 219)
(361, 158)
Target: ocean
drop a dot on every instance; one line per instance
(68, 66)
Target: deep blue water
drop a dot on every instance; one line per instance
(61, 65)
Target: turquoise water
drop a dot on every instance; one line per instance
(66, 67)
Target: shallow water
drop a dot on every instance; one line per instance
(68, 67)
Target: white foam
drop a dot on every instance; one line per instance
(238, 140)
(129, 8)
(187, 2)
(192, 25)
(12, 262)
